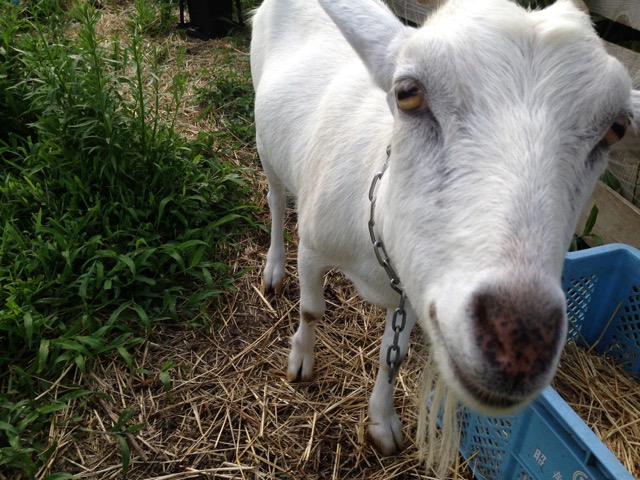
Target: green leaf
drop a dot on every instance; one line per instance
(226, 219)
(59, 476)
(208, 279)
(125, 452)
(86, 278)
(28, 328)
(79, 360)
(168, 365)
(128, 358)
(134, 428)
(90, 341)
(127, 414)
(129, 263)
(161, 207)
(197, 257)
(43, 354)
(7, 427)
(71, 345)
(198, 298)
(117, 312)
(189, 244)
(143, 316)
(597, 239)
(574, 244)
(75, 394)
(99, 273)
(591, 221)
(165, 378)
(176, 256)
(53, 407)
(144, 279)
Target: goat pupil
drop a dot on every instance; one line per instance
(408, 92)
(619, 129)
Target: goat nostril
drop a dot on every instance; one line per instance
(517, 332)
(491, 327)
(490, 336)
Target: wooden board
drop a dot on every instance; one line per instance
(618, 220)
(621, 11)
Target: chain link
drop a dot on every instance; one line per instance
(393, 352)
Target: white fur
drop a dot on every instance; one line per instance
(482, 194)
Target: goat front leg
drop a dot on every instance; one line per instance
(311, 272)
(273, 273)
(385, 428)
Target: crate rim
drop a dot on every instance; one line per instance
(602, 249)
(570, 419)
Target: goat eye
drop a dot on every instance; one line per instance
(410, 97)
(616, 131)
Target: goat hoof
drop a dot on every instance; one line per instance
(268, 286)
(387, 437)
(273, 273)
(295, 376)
(299, 369)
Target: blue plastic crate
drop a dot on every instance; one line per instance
(548, 440)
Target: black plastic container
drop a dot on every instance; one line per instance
(211, 18)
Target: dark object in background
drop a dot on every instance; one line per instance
(210, 18)
(618, 33)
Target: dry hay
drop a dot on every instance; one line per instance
(230, 412)
(606, 397)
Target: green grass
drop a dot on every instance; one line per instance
(110, 221)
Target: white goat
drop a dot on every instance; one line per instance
(498, 120)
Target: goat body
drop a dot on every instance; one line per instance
(499, 121)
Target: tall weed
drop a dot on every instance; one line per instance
(109, 220)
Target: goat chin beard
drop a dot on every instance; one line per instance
(438, 447)
(439, 419)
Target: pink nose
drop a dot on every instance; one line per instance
(519, 330)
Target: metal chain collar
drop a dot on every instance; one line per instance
(399, 319)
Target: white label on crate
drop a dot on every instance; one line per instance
(540, 457)
(578, 475)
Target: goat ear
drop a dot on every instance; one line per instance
(373, 32)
